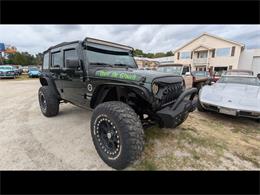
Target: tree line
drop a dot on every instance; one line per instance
(23, 58)
(140, 53)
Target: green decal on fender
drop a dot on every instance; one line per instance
(119, 75)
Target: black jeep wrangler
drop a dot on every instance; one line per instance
(104, 76)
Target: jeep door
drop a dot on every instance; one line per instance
(55, 68)
(186, 74)
(74, 87)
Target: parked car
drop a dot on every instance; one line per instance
(191, 79)
(7, 72)
(201, 78)
(33, 72)
(16, 71)
(237, 95)
(178, 70)
(238, 72)
(216, 76)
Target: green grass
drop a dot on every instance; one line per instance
(147, 165)
(19, 78)
(254, 161)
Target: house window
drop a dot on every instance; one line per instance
(186, 55)
(220, 52)
(203, 54)
(213, 53)
(233, 51)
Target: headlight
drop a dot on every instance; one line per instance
(155, 88)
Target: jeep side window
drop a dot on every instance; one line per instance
(46, 61)
(70, 54)
(185, 69)
(56, 59)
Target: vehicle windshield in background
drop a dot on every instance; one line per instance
(33, 69)
(98, 56)
(239, 80)
(5, 68)
(175, 70)
(200, 73)
(238, 73)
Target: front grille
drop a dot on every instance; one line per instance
(171, 92)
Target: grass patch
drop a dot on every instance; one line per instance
(247, 158)
(200, 141)
(155, 133)
(19, 78)
(146, 165)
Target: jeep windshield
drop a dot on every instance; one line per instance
(106, 57)
(175, 70)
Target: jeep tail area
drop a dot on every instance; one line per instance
(104, 77)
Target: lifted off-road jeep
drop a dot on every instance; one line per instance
(103, 76)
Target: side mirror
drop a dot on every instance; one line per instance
(258, 76)
(187, 74)
(72, 63)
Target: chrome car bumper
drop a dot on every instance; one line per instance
(231, 111)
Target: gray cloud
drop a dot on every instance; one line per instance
(149, 38)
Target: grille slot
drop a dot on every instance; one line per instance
(171, 92)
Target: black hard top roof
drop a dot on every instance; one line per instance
(91, 40)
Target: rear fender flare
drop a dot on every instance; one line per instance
(46, 81)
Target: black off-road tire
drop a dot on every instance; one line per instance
(127, 132)
(199, 107)
(50, 107)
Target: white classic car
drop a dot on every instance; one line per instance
(237, 95)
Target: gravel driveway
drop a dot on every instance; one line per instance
(31, 141)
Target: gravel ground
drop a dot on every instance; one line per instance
(30, 141)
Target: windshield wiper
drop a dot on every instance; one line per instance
(101, 64)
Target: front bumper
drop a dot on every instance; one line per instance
(175, 111)
(34, 75)
(231, 111)
(7, 76)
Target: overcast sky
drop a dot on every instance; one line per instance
(149, 38)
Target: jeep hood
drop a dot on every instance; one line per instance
(133, 74)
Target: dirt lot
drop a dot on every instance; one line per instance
(30, 141)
